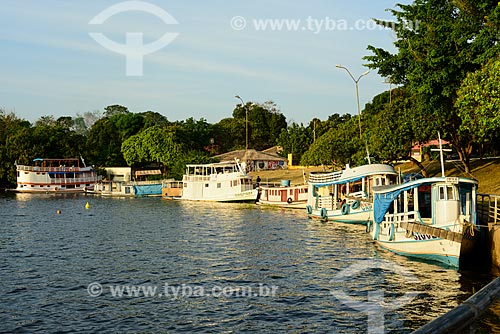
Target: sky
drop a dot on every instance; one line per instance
(189, 58)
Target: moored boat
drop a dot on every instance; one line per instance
(346, 195)
(55, 176)
(431, 218)
(285, 196)
(219, 182)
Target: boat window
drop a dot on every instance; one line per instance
(206, 185)
(218, 185)
(446, 193)
(451, 193)
(441, 193)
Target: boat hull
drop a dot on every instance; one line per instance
(423, 246)
(286, 205)
(245, 196)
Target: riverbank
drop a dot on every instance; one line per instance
(486, 171)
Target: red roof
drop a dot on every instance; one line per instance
(433, 142)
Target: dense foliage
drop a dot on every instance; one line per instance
(438, 43)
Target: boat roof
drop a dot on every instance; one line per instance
(421, 182)
(350, 174)
(62, 159)
(215, 164)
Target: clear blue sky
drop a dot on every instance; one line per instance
(50, 65)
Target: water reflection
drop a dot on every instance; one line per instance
(49, 259)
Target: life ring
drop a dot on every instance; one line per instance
(289, 200)
(391, 232)
(323, 213)
(345, 209)
(355, 205)
(309, 209)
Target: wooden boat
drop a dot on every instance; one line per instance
(285, 196)
(431, 218)
(346, 195)
(219, 182)
(130, 188)
(55, 176)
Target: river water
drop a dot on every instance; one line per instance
(147, 265)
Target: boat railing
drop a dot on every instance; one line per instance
(51, 169)
(407, 217)
(172, 184)
(325, 202)
(71, 180)
(488, 208)
(194, 178)
(324, 177)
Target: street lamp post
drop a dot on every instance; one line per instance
(357, 95)
(246, 120)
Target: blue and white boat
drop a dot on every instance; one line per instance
(346, 195)
(431, 218)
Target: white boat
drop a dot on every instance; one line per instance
(284, 196)
(55, 176)
(130, 188)
(431, 218)
(219, 182)
(346, 195)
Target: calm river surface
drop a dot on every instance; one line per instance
(154, 266)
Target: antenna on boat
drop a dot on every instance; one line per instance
(238, 165)
(367, 153)
(83, 161)
(441, 150)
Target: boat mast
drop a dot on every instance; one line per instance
(441, 150)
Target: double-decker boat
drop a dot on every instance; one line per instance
(346, 195)
(55, 176)
(218, 182)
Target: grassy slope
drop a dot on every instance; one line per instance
(486, 171)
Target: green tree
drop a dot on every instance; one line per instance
(115, 109)
(337, 147)
(478, 105)
(229, 134)
(12, 128)
(155, 144)
(104, 144)
(265, 122)
(438, 43)
(295, 139)
(194, 134)
(105, 138)
(152, 118)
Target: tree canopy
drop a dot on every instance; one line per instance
(438, 43)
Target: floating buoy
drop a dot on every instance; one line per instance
(87, 205)
(58, 212)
